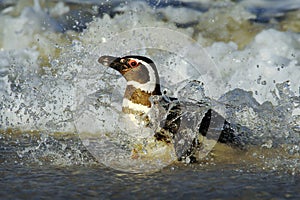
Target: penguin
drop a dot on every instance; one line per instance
(182, 124)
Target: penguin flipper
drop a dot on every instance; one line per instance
(215, 126)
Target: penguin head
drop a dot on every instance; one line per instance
(139, 71)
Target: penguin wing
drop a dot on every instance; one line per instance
(187, 122)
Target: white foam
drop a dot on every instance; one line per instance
(270, 50)
(268, 60)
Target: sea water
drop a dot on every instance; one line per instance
(54, 94)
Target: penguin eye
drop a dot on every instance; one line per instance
(132, 63)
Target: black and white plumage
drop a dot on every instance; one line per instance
(180, 123)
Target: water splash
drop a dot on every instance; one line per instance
(40, 95)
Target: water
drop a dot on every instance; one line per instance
(59, 167)
(54, 95)
(181, 182)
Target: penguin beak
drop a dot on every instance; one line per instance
(112, 62)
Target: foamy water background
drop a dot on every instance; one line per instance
(46, 45)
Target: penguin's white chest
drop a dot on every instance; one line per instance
(139, 108)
